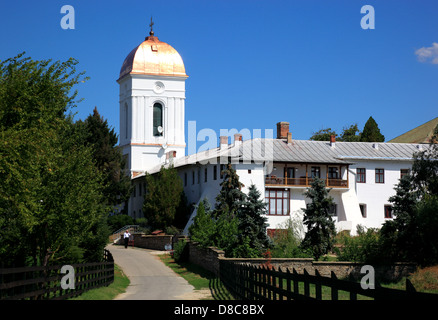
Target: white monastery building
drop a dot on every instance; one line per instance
(361, 175)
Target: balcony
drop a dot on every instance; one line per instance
(303, 182)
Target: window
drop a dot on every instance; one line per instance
(185, 179)
(134, 192)
(205, 174)
(278, 201)
(222, 169)
(361, 176)
(363, 209)
(315, 172)
(333, 211)
(380, 175)
(193, 177)
(388, 211)
(215, 173)
(333, 173)
(158, 119)
(139, 189)
(249, 171)
(289, 172)
(404, 172)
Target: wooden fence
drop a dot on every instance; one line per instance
(44, 283)
(249, 282)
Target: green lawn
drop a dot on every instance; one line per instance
(119, 285)
(198, 277)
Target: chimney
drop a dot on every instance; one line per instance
(289, 137)
(332, 140)
(223, 142)
(237, 139)
(282, 130)
(170, 156)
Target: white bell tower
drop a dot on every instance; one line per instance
(152, 96)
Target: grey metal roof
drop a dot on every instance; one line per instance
(305, 151)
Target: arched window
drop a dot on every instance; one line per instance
(158, 119)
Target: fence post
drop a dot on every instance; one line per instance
(334, 289)
(296, 288)
(288, 287)
(280, 284)
(306, 284)
(318, 290)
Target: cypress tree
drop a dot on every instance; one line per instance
(371, 132)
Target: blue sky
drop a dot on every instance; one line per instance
(252, 63)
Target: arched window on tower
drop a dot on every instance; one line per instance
(158, 119)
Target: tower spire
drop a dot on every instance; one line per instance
(151, 25)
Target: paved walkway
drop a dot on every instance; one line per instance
(150, 278)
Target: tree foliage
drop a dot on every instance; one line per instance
(252, 224)
(371, 132)
(413, 234)
(230, 198)
(319, 237)
(237, 225)
(51, 200)
(96, 133)
(163, 197)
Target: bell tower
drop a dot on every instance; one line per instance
(152, 97)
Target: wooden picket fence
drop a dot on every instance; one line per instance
(44, 283)
(249, 282)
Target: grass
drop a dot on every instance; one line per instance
(424, 280)
(198, 277)
(119, 285)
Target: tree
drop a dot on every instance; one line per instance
(95, 133)
(203, 228)
(371, 132)
(350, 134)
(412, 235)
(51, 201)
(323, 135)
(252, 224)
(230, 198)
(321, 230)
(162, 198)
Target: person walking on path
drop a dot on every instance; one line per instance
(126, 238)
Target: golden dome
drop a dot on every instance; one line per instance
(153, 57)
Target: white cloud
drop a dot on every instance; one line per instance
(428, 54)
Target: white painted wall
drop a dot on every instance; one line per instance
(139, 93)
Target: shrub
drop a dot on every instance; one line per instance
(181, 251)
(361, 248)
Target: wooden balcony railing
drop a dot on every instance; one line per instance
(303, 182)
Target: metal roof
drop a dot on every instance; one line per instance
(301, 151)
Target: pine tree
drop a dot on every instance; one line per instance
(230, 198)
(320, 226)
(371, 132)
(253, 223)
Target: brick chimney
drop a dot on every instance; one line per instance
(170, 156)
(332, 140)
(237, 139)
(223, 142)
(282, 130)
